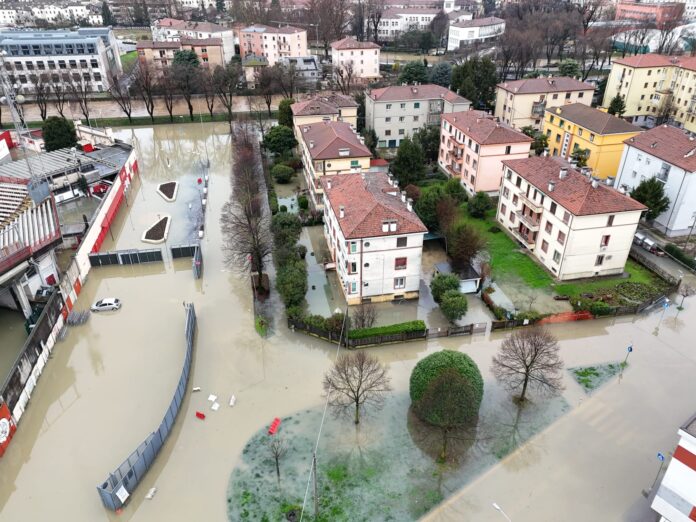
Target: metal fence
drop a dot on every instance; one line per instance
(121, 483)
(193, 251)
(125, 257)
(197, 263)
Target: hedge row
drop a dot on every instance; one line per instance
(407, 327)
(677, 253)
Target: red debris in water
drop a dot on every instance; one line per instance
(200, 415)
(274, 426)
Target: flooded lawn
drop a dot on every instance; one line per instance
(12, 339)
(287, 192)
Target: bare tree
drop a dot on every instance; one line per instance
(364, 316)
(60, 97)
(266, 85)
(344, 74)
(529, 358)
(185, 77)
(287, 79)
(225, 80)
(591, 11)
(685, 290)
(206, 85)
(144, 82)
(331, 17)
(42, 91)
(256, 106)
(375, 11)
(120, 93)
(278, 449)
(167, 89)
(355, 381)
(668, 36)
(80, 91)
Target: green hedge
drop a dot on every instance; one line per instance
(407, 327)
(677, 253)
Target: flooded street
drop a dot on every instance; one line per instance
(109, 382)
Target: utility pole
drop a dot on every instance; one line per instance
(316, 495)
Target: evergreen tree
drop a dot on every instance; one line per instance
(186, 57)
(569, 67)
(441, 74)
(220, 6)
(360, 100)
(476, 80)
(107, 16)
(617, 106)
(371, 140)
(285, 112)
(409, 164)
(413, 72)
(58, 133)
(541, 141)
(651, 193)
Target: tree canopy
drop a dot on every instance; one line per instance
(651, 193)
(414, 72)
(476, 79)
(285, 112)
(279, 139)
(453, 305)
(58, 133)
(186, 57)
(441, 74)
(409, 164)
(617, 106)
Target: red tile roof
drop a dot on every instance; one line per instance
(149, 44)
(201, 41)
(378, 162)
(368, 203)
(544, 85)
(593, 119)
(669, 144)
(330, 137)
(575, 192)
(485, 129)
(427, 91)
(658, 60)
(352, 43)
(480, 22)
(324, 104)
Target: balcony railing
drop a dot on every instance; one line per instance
(532, 224)
(527, 240)
(534, 206)
(538, 108)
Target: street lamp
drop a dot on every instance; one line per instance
(498, 508)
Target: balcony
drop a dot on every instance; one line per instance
(538, 108)
(529, 221)
(533, 206)
(524, 238)
(453, 172)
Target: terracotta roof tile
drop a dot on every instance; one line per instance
(658, 60)
(669, 144)
(484, 128)
(331, 137)
(427, 91)
(593, 119)
(574, 193)
(352, 43)
(368, 203)
(544, 85)
(323, 104)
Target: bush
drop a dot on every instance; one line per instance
(286, 229)
(407, 327)
(273, 202)
(599, 308)
(334, 324)
(291, 283)
(479, 205)
(301, 251)
(677, 253)
(282, 208)
(429, 368)
(441, 283)
(531, 315)
(295, 312)
(303, 202)
(453, 305)
(293, 162)
(454, 189)
(282, 173)
(280, 140)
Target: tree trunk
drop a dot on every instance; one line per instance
(357, 412)
(277, 469)
(524, 387)
(443, 453)
(190, 108)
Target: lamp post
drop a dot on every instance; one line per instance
(499, 509)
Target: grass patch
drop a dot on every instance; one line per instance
(128, 59)
(261, 326)
(592, 377)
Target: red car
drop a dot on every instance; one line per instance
(100, 189)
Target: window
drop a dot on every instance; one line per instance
(400, 263)
(353, 247)
(507, 149)
(389, 106)
(353, 268)
(399, 282)
(353, 287)
(558, 138)
(387, 119)
(518, 182)
(599, 261)
(605, 241)
(515, 199)
(387, 132)
(553, 207)
(581, 95)
(561, 237)
(556, 256)
(512, 216)
(401, 132)
(610, 221)
(544, 247)
(503, 209)
(354, 164)
(566, 217)
(579, 133)
(402, 118)
(555, 96)
(591, 138)
(403, 105)
(416, 105)
(567, 96)
(506, 192)
(549, 227)
(401, 242)
(416, 118)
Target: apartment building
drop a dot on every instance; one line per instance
(374, 236)
(272, 43)
(308, 69)
(675, 500)
(52, 13)
(476, 30)
(574, 225)
(656, 89)
(668, 154)
(521, 103)
(325, 107)
(361, 59)
(160, 55)
(396, 21)
(330, 148)
(171, 30)
(657, 12)
(474, 144)
(577, 128)
(397, 112)
(126, 12)
(86, 55)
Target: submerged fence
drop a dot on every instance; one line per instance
(125, 257)
(121, 483)
(193, 251)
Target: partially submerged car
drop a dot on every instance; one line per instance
(106, 304)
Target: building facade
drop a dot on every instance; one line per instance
(87, 56)
(575, 226)
(272, 43)
(160, 55)
(474, 144)
(396, 21)
(330, 107)
(656, 89)
(397, 112)
(579, 129)
(659, 13)
(471, 31)
(360, 59)
(668, 154)
(171, 30)
(330, 148)
(521, 103)
(308, 69)
(128, 12)
(374, 236)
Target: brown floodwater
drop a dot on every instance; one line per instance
(108, 383)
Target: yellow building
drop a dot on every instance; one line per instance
(656, 89)
(577, 127)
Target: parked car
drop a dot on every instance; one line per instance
(638, 239)
(649, 245)
(106, 304)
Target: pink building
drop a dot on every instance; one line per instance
(658, 12)
(474, 144)
(272, 43)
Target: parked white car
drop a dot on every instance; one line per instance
(106, 304)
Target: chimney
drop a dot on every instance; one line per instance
(403, 196)
(409, 204)
(563, 173)
(653, 145)
(552, 185)
(311, 144)
(328, 184)
(609, 181)
(305, 129)
(341, 212)
(595, 183)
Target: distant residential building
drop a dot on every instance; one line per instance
(396, 21)
(360, 57)
(577, 127)
(474, 144)
(330, 148)
(675, 500)
(160, 55)
(126, 12)
(308, 69)
(575, 226)
(472, 31)
(397, 112)
(72, 13)
(374, 236)
(171, 30)
(325, 107)
(88, 55)
(689, 11)
(657, 12)
(668, 154)
(522, 103)
(656, 89)
(272, 43)
(252, 67)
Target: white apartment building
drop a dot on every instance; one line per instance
(53, 13)
(172, 30)
(88, 55)
(476, 30)
(374, 236)
(474, 144)
(675, 500)
(272, 43)
(395, 21)
(668, 154)
(362, 57)
(14, 17)
(397, 112)
(575, 226)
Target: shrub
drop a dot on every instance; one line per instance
(454, 189)
(273, 202)
(301, 251)
(334, 324)
(286, 229)
(282, 208)
(293, 162)
(431, 367)
(282, 173)
(412, 192)
(441, 283)
(600, 308)
(284, 254)
(407, 327)
(531, 315)
(494, 229)
(303, 202)
(291, 283)
(295, 312)
(677, 253)
(479, 205)
(453, 305)
(280, 139)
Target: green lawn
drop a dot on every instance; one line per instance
(128, 59)
(638, 274)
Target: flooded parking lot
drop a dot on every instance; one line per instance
(108, 383)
